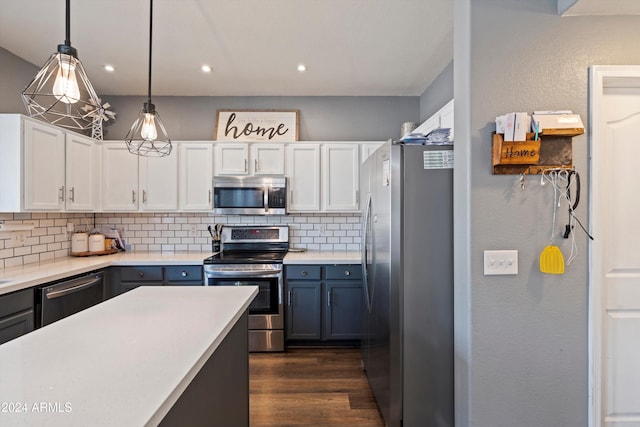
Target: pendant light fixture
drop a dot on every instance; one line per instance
(147, 136)
(61, 93)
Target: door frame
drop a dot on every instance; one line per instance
(600, 77)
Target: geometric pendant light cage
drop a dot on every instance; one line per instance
(61, 93)
(148, 136)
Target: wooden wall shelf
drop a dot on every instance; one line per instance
(531, 157)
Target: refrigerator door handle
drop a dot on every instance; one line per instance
(364, 252)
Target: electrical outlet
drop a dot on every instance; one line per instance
(322, 230)
(193, 230)
(18, 237)
(500, 262)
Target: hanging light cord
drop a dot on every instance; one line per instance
(67, 39)
(150, 50)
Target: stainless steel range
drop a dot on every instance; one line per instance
(253, 256)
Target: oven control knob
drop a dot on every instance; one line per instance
(185, 274)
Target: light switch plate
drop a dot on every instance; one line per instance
(500, 262)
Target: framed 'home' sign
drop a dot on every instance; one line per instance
(257, 125)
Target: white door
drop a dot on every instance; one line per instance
(81, 174)
(231, 158)
(158, 180)
(303, 173)
(43, 167)
(120, 178)
(196, 176)
(615, 260)
(268, 159)
(340, 177)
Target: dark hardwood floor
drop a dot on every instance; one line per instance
(310, 387)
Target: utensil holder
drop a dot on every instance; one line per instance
(215, 246)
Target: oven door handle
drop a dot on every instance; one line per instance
(243, 273)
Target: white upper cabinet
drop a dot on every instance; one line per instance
(443, 118)
(120, 181)
(46, 168)
(340, 177)
(196, 176)
(231, 158)
(268, 159)
(303, 176)
(238, 158)
(44, 163)
(83, 173)
(138, 183)
(158, 182)
(446, 117)
(367, 148)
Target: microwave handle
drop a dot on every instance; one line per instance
(266, 199)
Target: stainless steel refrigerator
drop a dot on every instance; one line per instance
(407, 251)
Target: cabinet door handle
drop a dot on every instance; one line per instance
(209, 195)
(133, 196)
(357, 196)
(290, 197)
(347, 273)
(144, 196)
(289, 298)
(329, 298)
(304, 273)
(255, 163)
(184, 274)
(72, 197)
(141, 274)
(246, 165)
(61, 193)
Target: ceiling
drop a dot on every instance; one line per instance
(598, 7)
(350, 47)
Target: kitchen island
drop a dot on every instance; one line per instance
(153, 356)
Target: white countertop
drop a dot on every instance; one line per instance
(123, 362)
(25, 276)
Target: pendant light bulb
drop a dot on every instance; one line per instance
(148, 131)
(65, 87)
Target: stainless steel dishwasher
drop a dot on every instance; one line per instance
(58, 300)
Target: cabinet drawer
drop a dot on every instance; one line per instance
(303, 272)
(141, 274)
(344, 272)
(181, 273)
(15, 326)
(16, 302)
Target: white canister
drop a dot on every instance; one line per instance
(79, 242)
(96, 243)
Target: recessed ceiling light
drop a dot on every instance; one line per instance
(206, 68)
(109, 68)
(302, 68)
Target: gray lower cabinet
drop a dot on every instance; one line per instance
(16, 314)
(324, 303)
(123, 279)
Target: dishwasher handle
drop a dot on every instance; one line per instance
(72, 286)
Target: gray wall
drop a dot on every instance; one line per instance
(321, 118)
(329, 118)
(15, 75)
(437, 94)
(522, 341)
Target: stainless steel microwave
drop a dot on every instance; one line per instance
(249, 195)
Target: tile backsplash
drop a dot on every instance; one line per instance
(166, 232)
(49, 238)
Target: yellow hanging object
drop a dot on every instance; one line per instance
(552, 260)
